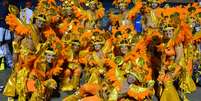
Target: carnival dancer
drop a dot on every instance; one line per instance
(142, 71)
(73, 72)
(40, 82)
(170, 69)
(95, 69)
(187, 85)
(24, 46)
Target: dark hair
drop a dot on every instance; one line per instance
(76, 41)
(191, 9)
(128, 30)
(118, 33)
(50, 48)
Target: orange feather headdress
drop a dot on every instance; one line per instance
(134, 10)
(49, 32)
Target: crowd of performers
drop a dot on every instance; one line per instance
(64, 48)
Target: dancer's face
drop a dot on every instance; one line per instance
(197, 28)
(76, 48)
(122, 6)
(69, 11)
(123, 49)
(154, 5)
(50, 57)
(39, 23)
(93, 6)
(97, 47)
(169, 33)
(131, 79)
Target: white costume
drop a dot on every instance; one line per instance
(26, 15)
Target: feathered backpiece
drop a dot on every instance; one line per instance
(135, 10)
(49, 10)
(17, 26)
(171, 11)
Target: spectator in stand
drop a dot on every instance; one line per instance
(27, 13)
(5, 35)
(5, 39)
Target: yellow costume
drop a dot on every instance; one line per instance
(170, 71)
(73, 72)
(169, 92)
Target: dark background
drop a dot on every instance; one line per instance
(107, 3)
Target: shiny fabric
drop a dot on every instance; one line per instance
(21, 84)
(187, 84)
(9, 89)
(169, 93)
